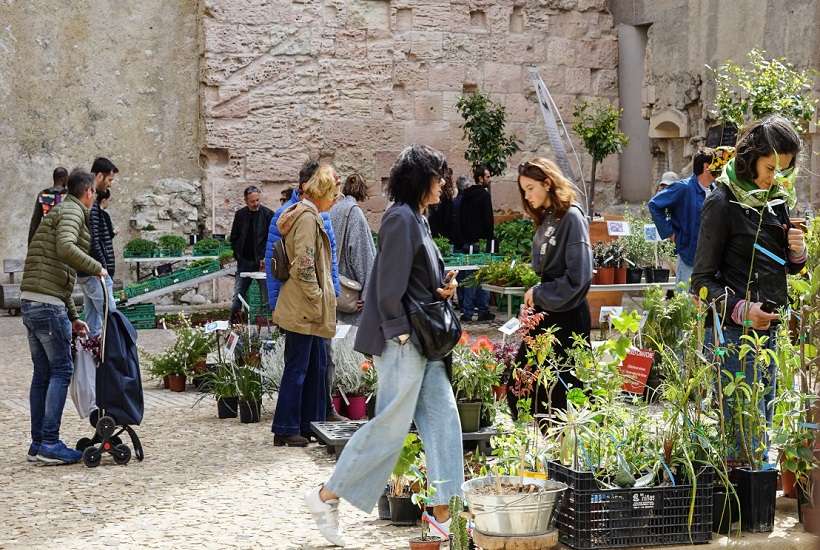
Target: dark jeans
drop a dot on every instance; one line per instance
(49, 339)
(303, 390)
(731, 363)
(473, 300)
(241, 286)
(574, 321)
(331, 372)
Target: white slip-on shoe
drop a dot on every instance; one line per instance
(326, 516)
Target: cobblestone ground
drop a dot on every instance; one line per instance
(204, 483)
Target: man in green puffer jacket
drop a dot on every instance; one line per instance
(58, 250)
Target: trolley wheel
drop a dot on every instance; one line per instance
(92, 457)
(83, 443)
(106, 427)
(121, 454)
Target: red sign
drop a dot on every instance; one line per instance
(636, 368)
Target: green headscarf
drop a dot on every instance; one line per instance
(748, 193)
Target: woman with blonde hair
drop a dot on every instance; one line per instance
(306, 311)
(562, 257)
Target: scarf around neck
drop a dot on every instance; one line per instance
(749, 194)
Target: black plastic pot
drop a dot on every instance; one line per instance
(384, 506)
(249, 411)
(725, 510)
(660, 275)
(403, 511)
(371, 407)
(227, 407)
(633, 275)
(757, 491)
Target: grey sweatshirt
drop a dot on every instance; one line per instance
(562, 256)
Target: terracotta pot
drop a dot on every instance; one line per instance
(199, 367)
(788, 480)
(500, 392)
(620, 275)
(428, 543)
(606, 275)
(176, 382)
(165, 383)
(337, 403)
(356, 407)
(811, 519)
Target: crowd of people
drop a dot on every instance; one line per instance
(322, 267)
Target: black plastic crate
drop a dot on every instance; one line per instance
(590, 517)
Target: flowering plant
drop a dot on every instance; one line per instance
(475, 369)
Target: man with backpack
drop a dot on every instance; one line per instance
(47, 199)
(58, 250)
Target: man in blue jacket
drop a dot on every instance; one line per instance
(275, 284)
(676, 211)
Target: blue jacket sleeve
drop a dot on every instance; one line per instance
(663, 201)
(272, 282)
(332, 238)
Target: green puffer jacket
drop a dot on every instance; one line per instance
(58, 250)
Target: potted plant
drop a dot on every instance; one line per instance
(402, 509)
(139, 248)
(423, 497)
(475, 372)
(663, 255)
(177, 373)
(171, 245)
(756, 487)
(616, 252)
(515, 239)
(220, 382)
(459, 539)
(605, 272)
(249, 390)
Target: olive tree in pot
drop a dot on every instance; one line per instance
(400, 484)
(635, 250)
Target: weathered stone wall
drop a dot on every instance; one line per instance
(684, 37)
(353, 82)
(95, 77)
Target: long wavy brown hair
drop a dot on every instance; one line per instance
(559, 188)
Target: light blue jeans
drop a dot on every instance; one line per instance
(410, 388)
(683, 272)
(93, 302)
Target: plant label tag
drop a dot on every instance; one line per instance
(608, 312)
(230, 343)
(510, 327)
(635, 368)
(650, 233)
(617, 228)
(216, 325)
(341, 331)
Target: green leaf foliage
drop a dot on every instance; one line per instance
(483, 127)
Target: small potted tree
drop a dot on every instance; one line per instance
(423, 498)
(635, 250)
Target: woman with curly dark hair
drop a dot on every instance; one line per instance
(412, 387)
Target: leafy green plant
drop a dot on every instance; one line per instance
(140, 248)
(172, 243)
(764, 87)
(483, 128)
(510, 273)
(444, 246)
(226, 257)
(249, 384)
(400, 482)
(637, 251)
(208, 246)
(422, 497)
(597, 126)
(515, 238)
(475, 372)
(220, 381)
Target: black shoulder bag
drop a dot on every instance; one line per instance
(435, 323)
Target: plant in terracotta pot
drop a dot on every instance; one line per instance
(423, 497)
(401, 481)
(604, 273)
(616, 254)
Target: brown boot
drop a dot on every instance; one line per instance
(333, 416)
(289, 441)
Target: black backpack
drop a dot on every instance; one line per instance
(279, 262)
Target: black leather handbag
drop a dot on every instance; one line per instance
(436, 325)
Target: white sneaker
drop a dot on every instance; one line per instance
(326, 515)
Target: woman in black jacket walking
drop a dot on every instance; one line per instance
(747, 245)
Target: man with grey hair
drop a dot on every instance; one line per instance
(249, 234)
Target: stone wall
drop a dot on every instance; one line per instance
(95, 77)
(684, 37)
(353, 82)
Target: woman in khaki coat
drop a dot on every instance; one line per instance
(306, 311)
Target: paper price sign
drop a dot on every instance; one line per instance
(650, 233)
(216, 325)
(617, 228)
(341, 331)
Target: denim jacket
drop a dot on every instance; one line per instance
(676, 210)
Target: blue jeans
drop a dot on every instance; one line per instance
(731, 363)
(49, 340)
(473, 300)
(410, 388)
(683, 272)
(303, 393)
(94, 301)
